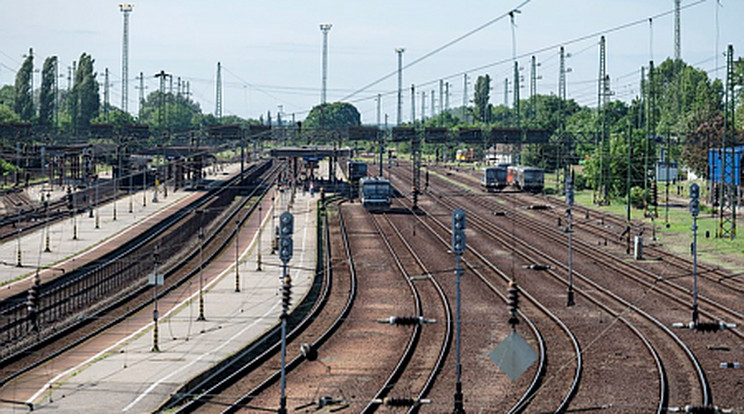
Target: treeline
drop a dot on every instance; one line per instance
(72, 111)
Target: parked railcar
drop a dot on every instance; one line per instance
(375, 193)
(355, 170)
(494, 178)
(526, 178)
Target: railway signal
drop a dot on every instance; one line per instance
(286, 229)
(569, 213)
(694, 210)
(458, 247)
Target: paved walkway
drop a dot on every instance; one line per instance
(73, 238)
(118, 372)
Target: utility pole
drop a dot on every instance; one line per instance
(125, 10)
(218, 93)
(400, 51)
(325, 28)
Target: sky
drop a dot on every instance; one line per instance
(271, 51)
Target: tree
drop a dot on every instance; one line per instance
(481, 97)
(335, 116)
(47, 93)
(84, 99)
(179, 113)
(7, 96)
(24, 104)
(7, 114)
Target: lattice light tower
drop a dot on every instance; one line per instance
(400, 51)
(325, 28)
(218, 93)
(677, 32)
(125, 10)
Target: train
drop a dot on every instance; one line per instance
(355, 170)
(494, 178)
(526, 178)
(376, 193)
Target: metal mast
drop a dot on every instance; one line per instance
(441, 96)
(600, 196)
(727, 213)
(106, 93)
(677, 32)
(465, 96)
(400, 51)
(413, 104)
(125, 10)
(506, 92)
(141, 92)
(446, 96)
(516, 94)
(218, 93)
(562, 76)
(325, 28)
(533, 85)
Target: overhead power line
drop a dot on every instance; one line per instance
(437, 50)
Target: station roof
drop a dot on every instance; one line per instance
(320, 151)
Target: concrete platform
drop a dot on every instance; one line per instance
(66, 251)
(118, 372)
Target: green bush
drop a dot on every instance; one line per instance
(636, 197)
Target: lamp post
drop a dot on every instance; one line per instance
(237, 254)
(201, 266)
(258, 254)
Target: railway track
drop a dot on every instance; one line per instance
(91, 299)
(609, 229)
(369, 361)
(558, 340)
(233, 385)
(509, 240)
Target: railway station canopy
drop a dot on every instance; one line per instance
(311, 151)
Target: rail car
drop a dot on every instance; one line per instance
(494, 178)
(375, 193)
(526, 178)
(355, 170)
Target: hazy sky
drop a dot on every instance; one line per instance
(271, 50)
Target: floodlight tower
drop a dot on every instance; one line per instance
(677, 30)
(400, 51)
(125, 9)
(325, 28)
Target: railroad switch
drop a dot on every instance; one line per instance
(498, 213)
(406, 320)
(538, 207)
(324, 402)
(537, 267)
(705, 326)
(699, 410)
(401, 402)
